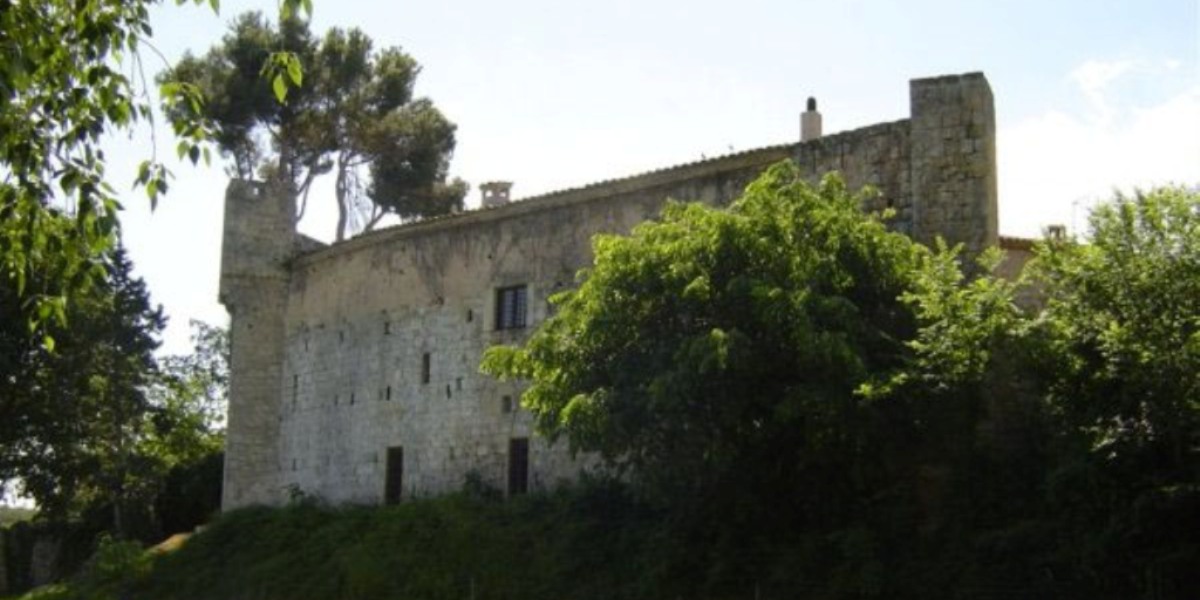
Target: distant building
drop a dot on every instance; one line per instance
(355, 366)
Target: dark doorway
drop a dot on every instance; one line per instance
(518, 466)
(394, 482)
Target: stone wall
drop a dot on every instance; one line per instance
(877, 156)
(32, 555)
(363, 314)
(329, 350)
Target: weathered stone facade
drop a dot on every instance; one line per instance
(356, 364)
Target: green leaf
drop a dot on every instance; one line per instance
(280, 88)
(294, 70)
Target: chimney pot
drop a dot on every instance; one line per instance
(495, 193)
(810, 122)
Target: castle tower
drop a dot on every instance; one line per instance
(258, 241)
(953, 161)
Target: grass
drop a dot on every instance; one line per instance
(565, 544)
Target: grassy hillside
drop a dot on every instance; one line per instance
(450, 548)
(583, 545)
(592, 542)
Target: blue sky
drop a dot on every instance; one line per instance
(1090, 97)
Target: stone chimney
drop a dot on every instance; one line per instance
(810, 122)
(495, 193)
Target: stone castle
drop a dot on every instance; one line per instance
(354, 369)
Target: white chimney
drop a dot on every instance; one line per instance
(495, 193)
(810, 122)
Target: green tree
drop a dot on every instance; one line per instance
(718, 351)
(98, 423)
(197, 384)
(62, 87)
(1118, 354)
(812, 396)
(1095, 393)
(354, 110)
(72, 416)
(1122, 319)
(184, 431)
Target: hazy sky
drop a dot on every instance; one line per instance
(1090, 97)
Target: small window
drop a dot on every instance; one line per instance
(425, 368)
(506, 404)
(510, 307)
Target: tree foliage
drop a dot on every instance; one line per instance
(191, 395)
(96, 423)
(810, 394)
(1118, 358)
(71, 416)
(185, 431)
(720, 345)
(1122, 324)
(73, 71)
(354, 110)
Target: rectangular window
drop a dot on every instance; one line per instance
(518, 466)
(426, 368)
(510, 307)
(394, 477)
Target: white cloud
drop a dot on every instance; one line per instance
(1055, 166)
(1094, 77)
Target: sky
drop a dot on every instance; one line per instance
(1091, 97)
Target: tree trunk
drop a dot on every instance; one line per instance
(341, 192)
